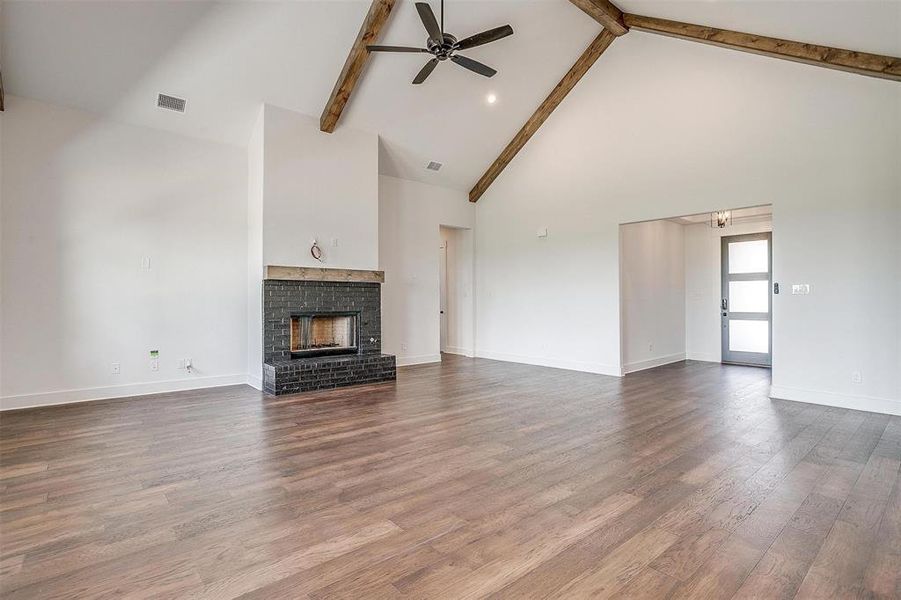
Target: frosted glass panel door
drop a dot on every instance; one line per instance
(747, 303)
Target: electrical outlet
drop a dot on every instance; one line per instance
(403, 346)
(116, 369)
(334, 242)
(651, 347)
(856, 377)
(154, 364)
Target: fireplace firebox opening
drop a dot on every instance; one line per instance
(323, 334)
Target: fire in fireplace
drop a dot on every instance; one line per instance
(323, 334)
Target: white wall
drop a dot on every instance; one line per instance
(410, 215)
(255, 266)
(322, 186)
(661, 127)
(703, 290)
(2, 348)
(652, 280)
(460, 276)
(847, 251)
(84, 200)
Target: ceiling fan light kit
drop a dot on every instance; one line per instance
(444, 46)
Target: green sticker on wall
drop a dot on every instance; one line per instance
(154, 354)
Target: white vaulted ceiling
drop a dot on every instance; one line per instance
(113, 57)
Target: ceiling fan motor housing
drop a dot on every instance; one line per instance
(443, 50)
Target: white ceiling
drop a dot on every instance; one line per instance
(113, 57)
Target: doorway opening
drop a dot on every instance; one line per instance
(697, 287)
(455, 291)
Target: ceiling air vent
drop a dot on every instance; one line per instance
(433, 166)
(171, 103)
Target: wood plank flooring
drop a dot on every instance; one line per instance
(468, 479)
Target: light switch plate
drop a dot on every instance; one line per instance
(800, 288)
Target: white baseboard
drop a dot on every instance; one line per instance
(571, 365)
(406, 361)
(460, 351)
(255, 382)
(117, 391)
(702, 357)
(650, 363)
(867, 403)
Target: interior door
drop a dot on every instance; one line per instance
(442, 295)
(747, 302)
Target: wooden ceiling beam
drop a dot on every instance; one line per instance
(375, 20)
(862, 63)
(605, 13)
(569, 81)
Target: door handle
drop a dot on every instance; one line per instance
(725, 304)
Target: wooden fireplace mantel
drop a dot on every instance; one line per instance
(320, 274)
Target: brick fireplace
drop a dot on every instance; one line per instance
(322, 329)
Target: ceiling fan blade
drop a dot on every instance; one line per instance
(486, 36)
(394, 49)
(425, 71)
(429, 21)
(473, 65)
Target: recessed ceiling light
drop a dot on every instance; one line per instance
(491, 98)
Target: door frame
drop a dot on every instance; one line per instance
(456, 248)
(736, 357)
(442, 296)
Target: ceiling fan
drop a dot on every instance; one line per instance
(443, 46)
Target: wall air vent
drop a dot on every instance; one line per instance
(171, 103)
(433, 166)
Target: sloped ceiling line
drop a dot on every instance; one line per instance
(617, 23)
(605, 13)
(862, 63)
(612, 19)
(569, 81)
(375, 21)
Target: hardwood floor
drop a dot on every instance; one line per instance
(468, 479)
